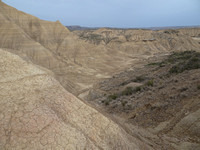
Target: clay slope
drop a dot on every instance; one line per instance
(161, 97)
(142, 42)
(37, 113)
(76, 64)
(80, 59)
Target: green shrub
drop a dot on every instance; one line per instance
(138, 89)
(171, 31)
(130, 90)
(190, 64)
(107, 103)
(198, 87)
(149, 83)
(127, 91)
(167, 32)
(112, 97)
(139, 79)
(160, 64)
(124, 103)
(182, 56)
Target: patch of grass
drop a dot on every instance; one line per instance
(139, 79)
(190, 61)
(167, 32)
(181, 61)
(181, 56)
(107, 103)
(127, 91)
(149, 83)
(96, 38)
(160, 64)
(112, 97)
(138, 89)
(124, 103)
(171, 31)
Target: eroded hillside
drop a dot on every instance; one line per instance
(81, 59)
(162, 97)
(38, 113)
(149, 107)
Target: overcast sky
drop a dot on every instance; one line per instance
(114, 13)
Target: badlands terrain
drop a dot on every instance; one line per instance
(97, 89)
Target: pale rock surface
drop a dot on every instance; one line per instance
(38, 113)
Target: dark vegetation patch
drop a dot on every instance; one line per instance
(139, 79)
(162, 90)
(160, 64)
(177, 63)
(130, 91)
(112, 97)
(124, 103)
(97, 38)
(180, 61)
(149, 83)
(171, 31)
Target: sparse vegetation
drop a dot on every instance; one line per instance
(171, 31)
(160, 64)
(167, 32)
(130, 90)
(128, 37)
(107, 103)
(181, 56)
(139, 79)
(149, 83)
(127, 91)
(124, 103)
(138, 89)
(198, 87)
(112, 97)
(188, 60)
(97, 38)
(181, 61)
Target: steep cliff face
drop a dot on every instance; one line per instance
(38, 113)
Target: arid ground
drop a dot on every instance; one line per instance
(126, 89)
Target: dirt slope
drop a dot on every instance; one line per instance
(161, 97)
(38, 113)
(80, 59)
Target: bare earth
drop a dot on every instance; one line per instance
(45, 70)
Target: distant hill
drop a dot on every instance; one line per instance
(74, 28)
